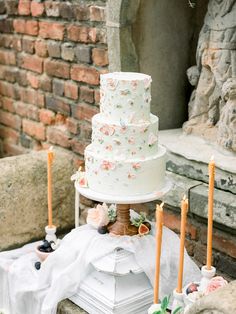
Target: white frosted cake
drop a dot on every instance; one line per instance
(124, 157)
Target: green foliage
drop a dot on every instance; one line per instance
(112, 214)
(164, 305)
(139, 220)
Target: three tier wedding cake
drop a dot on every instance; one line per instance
(124, 157)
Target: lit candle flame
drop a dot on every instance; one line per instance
(162, 204)
(184, 197)
(212, 158)
(51, 148)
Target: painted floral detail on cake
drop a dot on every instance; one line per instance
(152, 139)
(101, 140)
(109, 148)
(117, 142)
(125, 92)
(131, 140)
(131, 176)
(80, 177)
(111, 84)
(147, 83)
(107, 130)
(107, 165)
(136, 165)
(131, 118)
(144, 129)
(134, 84)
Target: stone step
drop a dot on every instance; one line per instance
(68, 307)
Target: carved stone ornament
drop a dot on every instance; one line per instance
(213, 102)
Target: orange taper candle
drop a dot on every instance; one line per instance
(211, 169)
(159, 226)
(184, 211)
(50, 160)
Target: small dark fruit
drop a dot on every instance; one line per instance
(192, 288)
(102, 229)
(37, 265)
(147, 224)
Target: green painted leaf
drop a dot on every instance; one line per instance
(165, 302)
(177, 310)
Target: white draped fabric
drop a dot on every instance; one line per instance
(25, 290)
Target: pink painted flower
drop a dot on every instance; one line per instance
(83, 182)
(147, 83)
(131, 176)
(107, 165)
(107, 130)
(136, 165)
(111, 84)
(98, 216)
(134, 84)
(144, 129)
(131, 140)
(215, 283)
(152, 139)
(109, 148)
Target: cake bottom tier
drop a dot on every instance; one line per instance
(125, 177)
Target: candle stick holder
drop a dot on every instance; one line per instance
(154, 308)
(178, 301)
(207, 275)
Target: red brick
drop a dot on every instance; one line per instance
(45, 83)
(34, 129)
(86, 75)
(24, 7)
(78, 146)
(58, 135)
(11, 149)
(9, 90)
(47, 117)
(86, 130)
(37, 8)
(221, 242)
(87, 94)
(28, 45)
(33, 80)
(32, 63)
(28, 27)
(9, 134)
(97, 13)
(10, 41)
(71, 90)
(72, 125)
(41, 48)
(8, 74)
(100, 56)
(82, 34)
(60, 118)
(7, 57)
(84, 112)
(57, 105)
(172, 221)
(8, 104)
(51, 30)
(32, 97)
(97, 96)
(27, 111)
(81, 12)
(57, 68)
(52, 8)
(10, 120)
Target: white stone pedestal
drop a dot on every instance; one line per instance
(116, 285)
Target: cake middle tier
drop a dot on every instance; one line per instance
(129, 140)
(125, 177)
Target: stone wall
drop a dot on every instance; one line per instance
(23, 197)
(51, 55)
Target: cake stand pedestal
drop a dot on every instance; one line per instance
(116, 284)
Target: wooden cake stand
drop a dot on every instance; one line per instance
(122, 225)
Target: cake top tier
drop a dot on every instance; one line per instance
(125, 96)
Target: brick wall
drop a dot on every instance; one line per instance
(51, 56)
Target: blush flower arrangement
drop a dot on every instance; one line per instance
(80, 177)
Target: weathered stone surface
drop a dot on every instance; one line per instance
(23, 196)
(224, 205)
(222, 301)
(189, 156)
(68, 307)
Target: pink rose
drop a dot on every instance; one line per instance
(98, 216)
(152, 139)
(215, 283)
(83, 182)
(136, 165)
